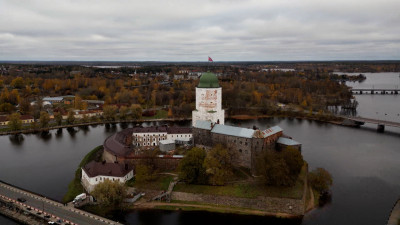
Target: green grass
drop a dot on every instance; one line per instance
(161, 114)
(160, 183)
(75, 187)
(248, 189)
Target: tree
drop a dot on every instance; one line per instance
(14, 122)
(218, 165)
(281, 168)
(320, 179)
(110, 193)
(191, 167)
(17, 82)
(71, 117)
(44, 119)
(275, 170)
(294, 161)
(110, 112)
(58, 118)
(143, 173)
(123, 112)
(136, 111)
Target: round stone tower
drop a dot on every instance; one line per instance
(208, 100)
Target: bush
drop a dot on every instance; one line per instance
(320, 179)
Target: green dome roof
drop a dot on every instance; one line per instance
(208, 80)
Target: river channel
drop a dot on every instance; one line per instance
(365, 166)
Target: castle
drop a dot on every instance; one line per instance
(208, 129)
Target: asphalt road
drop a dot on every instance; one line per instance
(56, 209)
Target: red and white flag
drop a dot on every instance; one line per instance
(210, 59)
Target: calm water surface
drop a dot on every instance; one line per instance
(365, 166)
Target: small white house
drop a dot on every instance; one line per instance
(94, 173)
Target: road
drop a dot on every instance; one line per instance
(65, 213)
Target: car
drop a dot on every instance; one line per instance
(21, 199)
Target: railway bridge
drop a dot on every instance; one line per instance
(358, 121)
(372, 91)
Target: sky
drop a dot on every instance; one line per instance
(191, 30)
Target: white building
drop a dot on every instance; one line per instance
(151, 136)
(94, 173)
(208, 100)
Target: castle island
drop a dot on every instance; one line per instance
(131, 147)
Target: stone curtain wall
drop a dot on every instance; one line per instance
(295, 207)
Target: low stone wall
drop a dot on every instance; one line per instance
(295, 207)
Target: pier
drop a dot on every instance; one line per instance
(30, 208)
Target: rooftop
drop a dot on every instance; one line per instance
(93, 169)
(271, 131)
(202, 124)
(208, 80)
(233, 131)
(287, 141)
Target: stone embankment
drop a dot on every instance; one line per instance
(294, 207)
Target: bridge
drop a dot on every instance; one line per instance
(372, 91)
(34, 208)
(358, 121)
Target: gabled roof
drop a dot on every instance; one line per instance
(232, 131)
(270, 131)
(202, 124)
(93, 169)
(287, 141)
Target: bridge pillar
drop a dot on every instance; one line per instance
(360, 92)
(381, 128)
(372, 92)
(395, 92)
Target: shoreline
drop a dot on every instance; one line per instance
(236, 117)
(191, 206)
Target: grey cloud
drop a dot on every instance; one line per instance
(191, 30)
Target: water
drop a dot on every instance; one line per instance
(384, 107)
(365, 166)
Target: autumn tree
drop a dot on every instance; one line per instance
(44, 119)
(71, 117)
(58, 118)
(136, 111)
(143, 173)
(14, 122)
(218, 165)
(191, 167)
(280, 168)
(110, 112)
(110, 193)
(17, 82)
(320, 179)
(123, 112)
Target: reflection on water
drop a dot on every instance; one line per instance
(16, 139)
(364, 165)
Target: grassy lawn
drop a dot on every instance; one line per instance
(247, 189)
(161, 114)
(75, 187)
(160, 183)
